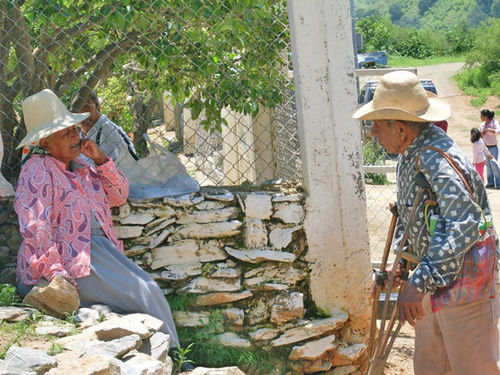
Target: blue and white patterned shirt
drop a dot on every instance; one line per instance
(457, 228)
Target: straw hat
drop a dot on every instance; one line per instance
(400, 96)
(44, 114)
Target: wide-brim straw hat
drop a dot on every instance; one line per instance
(400, 96)
(45, 114)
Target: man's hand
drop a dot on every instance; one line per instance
(410, 305)
(396, 282)
(92, 151)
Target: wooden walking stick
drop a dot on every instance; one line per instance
(388, 242)
(377, 360)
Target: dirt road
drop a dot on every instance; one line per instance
(464, 117)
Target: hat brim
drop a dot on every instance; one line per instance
(438, 110)
(53, 126)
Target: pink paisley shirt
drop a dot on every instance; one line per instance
(54, 207)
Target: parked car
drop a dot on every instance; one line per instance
(366, 96)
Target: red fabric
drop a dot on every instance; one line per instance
(53, 206)
(442, 124)
(475, 279)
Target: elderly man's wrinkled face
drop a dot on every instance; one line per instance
(63, 145)
(388, 136)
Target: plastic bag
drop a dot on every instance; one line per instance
(6, 188)
(160, 174)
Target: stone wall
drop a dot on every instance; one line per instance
(239, 250)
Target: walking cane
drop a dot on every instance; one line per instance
(378, 288)
(380, 355)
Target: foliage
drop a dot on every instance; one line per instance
(8, 294)
(486, 51)
(435, 15)
(55, 349)
(180, 357)
(481, 78)
(14, 333)
(374, 154)
(207, 55)
(180, 302)
(408, 62)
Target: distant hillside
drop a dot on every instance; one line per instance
(433, 14)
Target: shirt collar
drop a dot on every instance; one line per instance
(417, 143)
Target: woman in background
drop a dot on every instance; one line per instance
(489, 129)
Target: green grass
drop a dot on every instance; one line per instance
(407, 62)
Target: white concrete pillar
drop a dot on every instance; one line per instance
(189, 132)
(330, 142)
(230, 148)
(169, 112)
(263, 130)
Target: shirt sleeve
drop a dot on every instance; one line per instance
(114, 182)
(34, 206)
(456, 230)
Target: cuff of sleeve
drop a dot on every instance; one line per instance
(108, 166)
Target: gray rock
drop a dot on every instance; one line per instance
(290, 213)
(122, 232)
(26, 361)
(146, 365)
(191, 319)
(313, 329)
(212, 216)
(157, 346)
(222, 298)
(187, 251)
(258, 206)
(15, 314)
(202, 285)
(137, 219)
(261, 255)
(210, 230)
(287, 307)
(114, 348)
(76, 362)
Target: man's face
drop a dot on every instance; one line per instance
(94, 111)
(388, 136)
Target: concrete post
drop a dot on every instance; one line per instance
(330, 142)
(263, 130)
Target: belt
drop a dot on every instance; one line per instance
(492, 146)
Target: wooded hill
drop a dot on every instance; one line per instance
(433, 14)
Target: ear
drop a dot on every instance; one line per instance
(401, 129)
(44, 143)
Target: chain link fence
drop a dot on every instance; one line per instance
(208, 80)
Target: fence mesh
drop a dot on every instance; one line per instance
(208, 80)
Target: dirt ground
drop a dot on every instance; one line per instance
(464, 117)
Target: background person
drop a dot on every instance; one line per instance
(63, 205)
(478, 151)
(489, 129)
(110, 137)
(402, 112)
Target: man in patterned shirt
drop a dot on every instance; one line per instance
(451, 337)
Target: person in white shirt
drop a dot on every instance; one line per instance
(479, 150)
(489, 129)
